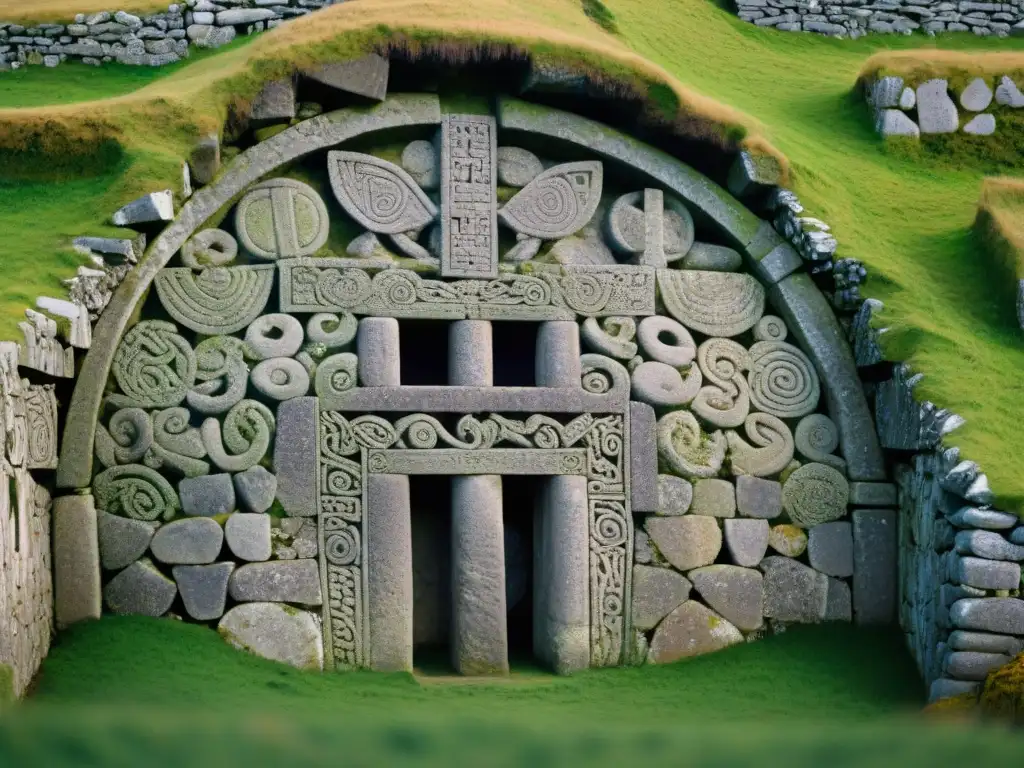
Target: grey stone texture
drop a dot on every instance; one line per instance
(976, 95)
(275, 632)
(736, 593)
(988, 544)
(981, 125)
(873, 494)
(204, 161)
(987, 519)
(893, 122)
(985, 574)
(792, 591)
(366, 76)
(479, 629)
(712, 258)
(558, 354)
(656, 593)
(275, 102)
(377, 344)
(687, 542)
(944, 688)
(389, 572)
(788, 540)
(140, 589)
(839, 603)
(203, 589)
(1008, 94)
(973, 665)
(154, 207)
(691, 630)
(874, 566)
(470, 353)
(1003, 615)
(983, 642)
(830, 548)
(255, 488)
(713, 497)
(194, 541)
(248, 536)
(122, 540)
(746, 540)
(517, 167)
(295, 456)
(936, 112)
(757, 497)
(279, 581)
(207, 495)
(76, 560)
(643, 458)
(675, 495)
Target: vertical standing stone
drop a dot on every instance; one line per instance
(76, 560)
(561, 573)
(389, 572)
(643, 458)
(470, 354)
(654, 229)
(469, 206)
(874, 566)
(377, 344)
(295, 460)
(558, 354)
(479, 623)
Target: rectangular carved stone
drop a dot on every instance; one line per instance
(469, 206)
(76, 560)
(643, 458)
(41, 420)
(475, 400)
(388, 531)
(874, 566)
(493, 461)
(295, 456)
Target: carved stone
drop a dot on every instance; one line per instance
(295, 457)
(686, 449)
(662, 231)
(557, 203)
(817, 438)
(714, 303)
(177, 446)
(770, 328)
(276, 335)
(209, 248)
(154, 367)
(280, 378)
(336, 374)
(767, 450)
(379, 195)
(725, 401)
(282, 219)
(612, 336)
(782, 380)
(135, 491)
(222, 375)
(469, 223)
(333, 331)
(666, 341)
(815, 494)
(247, 432)
(219, 300)
(41, 427)
(663, 386)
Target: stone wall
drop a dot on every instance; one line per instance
(149, 40)
(855, 18)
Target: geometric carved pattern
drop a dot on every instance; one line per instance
(41, 414)
(469, 221)
(219, 300)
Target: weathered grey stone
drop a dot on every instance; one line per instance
(687, 542)
(280, 378)
(419, 160)
(612, 336)
(275, 632)
(908, 99)
(156, 206)
(874, 566)
(194, 541)
(210, 248)
(988, 544)
(295, 452)
(976, 95)
(675, 495)
(936, 112)
(207, 495)
(751, 173)
(1003, 615)
(282, 219)
(666, 341)
(643, 550)
(389, 572)
(293, 581)
(713, 497)
(205, 159)
(643, 458)
(981, 125)
(76, 560)
(757, 497)
(885, 92)
(691, 630)
(873, 494)
(893, 122)
(557, 362)
(987, 519)
(787, 540)
(255, 488)
(203, 588)
(839, 604)
(656, 593)
(944, 688)
(736, 593)
(746, 540)
(982, 642)
(377, 343)
(1017, 535)
(985, 574)
(712, 258)
(813, 323)
(248, 536)
(792, 591)
(366, 76)
(140, 589)
(719, 304)
(122, 540)
(830, 548)
(973, 665)
(239, 16)
(1008, 94)
(663, 386)
(129, 250)
(815, 494)
(470, 353)
(274, 335)
(585, 250)
(517, 167)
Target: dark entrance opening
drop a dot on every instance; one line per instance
(430, 507)
(515, 353)
(424, 352)
(520, 495)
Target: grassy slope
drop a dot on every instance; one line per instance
(64, 10)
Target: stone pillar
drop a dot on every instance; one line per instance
(470, 354)
(479, 621)
(388, 531)
(558, 354)
(378, 349)
(561, 575)
(76, 560)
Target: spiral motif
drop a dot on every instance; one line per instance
(421, 434)
(336, 374)
(610, 529)
(342, 547)
(339, 481)
(597, 382)
(377, 462)
(770, 328)
(546, 437)
(817, 438)
(586, 293)
(135, 491)
(602, 375)
(612, 603)
(815, 494)
(345, 288)
(153, 366)
(686, 450)
(782, 380)
(132, 431)
(373, 432)
(535, 293)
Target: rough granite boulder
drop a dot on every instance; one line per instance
(248, 536)
(195, 541)
(276, 632)
(285, 581)
(736, 593)
(746, 540)
(686, 542)
(656, 593)
(691, 630)
(122, 540)
(792, 591)
(713, 497)
(207, 495)
(830, 548)
(675, 495)
(787, 540)
(255, 488)
(1003, 615)
(757, 497)
(140, 589)
(203, 588)
(936, 112)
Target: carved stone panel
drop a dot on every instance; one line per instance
(469, 216)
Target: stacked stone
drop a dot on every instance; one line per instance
(905, 110)
(152, 40)
(855, 18)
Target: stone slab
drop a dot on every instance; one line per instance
(643, 458)
(691, 630)
(366, 76)
(275, 632)
(656, 593)
(830, 548)
(203, 589)
(248, 536)
(734, 592)
(491, 461)
(431, 399)
(746, 540)
(76, 560)
(469, 206)
(873, 494)
(388, 532)
(1004, 615)
(874, 566)
(279, 581)
(689, 541)
(295, 456)
(140, 589)
(193, 541)
(757, 497)
(122, 540)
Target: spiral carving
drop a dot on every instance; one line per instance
(222, 374)
(341, 542)
(815, 494)
(135, 491)
(132, 432)
(603, 376)
(177, 445)
(782, 380)
(248, 430)
(209, 248)
(153, 366)
(557, 203)
(817, 438)
(344, 287)
(686, 449)
(770, 448)
(770, 328)
(585, 292)
(332, 331)
(336, 374)
(610, 524)
(218, 300)
(725, 402)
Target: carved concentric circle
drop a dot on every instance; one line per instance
(815, 494)
(282, 219)
(782, 380)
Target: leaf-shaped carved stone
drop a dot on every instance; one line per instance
(378, 194)
(558, 203)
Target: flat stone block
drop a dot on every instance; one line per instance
(256, 488)
(830, 548)
(140, 589)
(988, 519)
(377, 342)
(873, 494)
(874, 566)
(154, 207)
(275, 632)
(987, 574)
(1004, 615)
(643, 458)
(280, 581)
(787, 540)
(194, 541)
(756, 497)
(122, 540)
(792, 591)
(839, 603)
(944, 688)
(295, 462)
(389, 572)
(203, 588)
(736, 593)
(746, 540)
(248, 536)
(713, 497)
(675, 495)
(367, 76)
(687, 542)
(691, 630)
(207, 495)
(76, 560)
(983, 642)
(275, 103)
(972, 665)
(656, 593)
(989, 545)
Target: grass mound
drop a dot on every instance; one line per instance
(65, 10)
(999, 227)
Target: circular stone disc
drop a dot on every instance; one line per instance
(627, 227)
(815, 494)
(282, 219)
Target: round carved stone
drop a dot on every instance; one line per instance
(419, 159)
(686, 450)
(247, 433)
(135, 491)
(817, 438)
(336, 374)
(815, 494)
(222, 374)
(209, 248)
(219, 300)
(378, 194)
(282, 219)
(517, 167)
(782, 380)
(663, 386)
(770, 448)
(153, 366)
(770, 328)
(333, 331)
(713, 303)
(627, 228)
(132, 432)
(276, 335)
(280, 378)
(556, 204)
(725, 400)
(666, 341)
(613, 336)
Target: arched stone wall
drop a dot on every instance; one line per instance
(681, 352)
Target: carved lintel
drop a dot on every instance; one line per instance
(493, 461)
(476, 399)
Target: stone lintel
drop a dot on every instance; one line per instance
(475, 399)
(491, 461)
